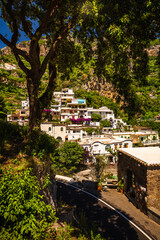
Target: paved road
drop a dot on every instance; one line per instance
(110, 224)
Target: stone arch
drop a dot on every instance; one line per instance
(59, 138)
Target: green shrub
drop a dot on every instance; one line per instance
(23, 213)
(68, 159)
(120, 185)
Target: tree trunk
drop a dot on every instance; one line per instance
(35, 110)
(37, 104)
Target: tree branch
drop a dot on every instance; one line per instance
(24, 22)
(42, 28)
(14, 48)
(34, 46)
(20, 63)
(8, 9)
(64, 32)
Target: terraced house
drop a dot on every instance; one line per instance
(139, 168)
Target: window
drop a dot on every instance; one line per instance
(49, 129)
(126, 145)
(61, 129)
(107, 147)
(116, 146)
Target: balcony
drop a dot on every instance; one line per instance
(151, 142)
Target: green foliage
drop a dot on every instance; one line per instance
(70, 156)
(60, 23)
(96, 117)
(69, 232)
(46, 181)
(44, 146)
(152, 124)
(100, 166)
(97, 237)
(94, 99)
(120, 185)
(3, 109)
(23, 214)
(105, 123)
(68, 121)
(16, 161)
(155, 42)
(89, 130)
(12, 88)
(64, 233)
(106, 41)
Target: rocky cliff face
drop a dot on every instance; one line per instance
(100, 85)
(25, 47)
(153, 50)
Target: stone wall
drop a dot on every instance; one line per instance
(147, 182)
(153, 187)
(125, 162)
(136, 191)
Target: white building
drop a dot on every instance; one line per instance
(25, 103)
(66, 95)
(58, 132)
(137, 137)
(8, 66)
(101, 145)
(104, 111)
(68, 107)
(68, 113)
(117, 122)
(74, 132)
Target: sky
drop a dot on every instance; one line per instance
(4, 30)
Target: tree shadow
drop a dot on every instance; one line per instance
(110, 225)
(10, 150)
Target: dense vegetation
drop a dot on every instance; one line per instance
(13, 89)
(95, 100)
(24, 212)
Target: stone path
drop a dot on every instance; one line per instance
(121, 203)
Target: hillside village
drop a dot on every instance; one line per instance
(100, 133)
(69, 119)
(79, 120)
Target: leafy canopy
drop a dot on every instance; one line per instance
(71, 155)
(96, 117)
